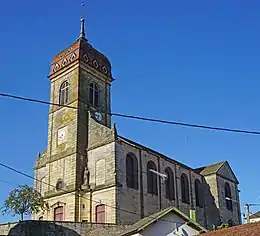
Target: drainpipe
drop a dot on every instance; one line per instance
(90, 207)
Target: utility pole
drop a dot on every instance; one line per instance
(164, 177)
(247, 213)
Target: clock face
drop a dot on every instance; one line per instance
(98, 116)
(62, 135)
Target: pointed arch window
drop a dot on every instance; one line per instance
(198, 193)
(228, 197)
(152, 185)
(185, 196)
(131, 171)
(169, 184)
(64, 93)
(94, 94)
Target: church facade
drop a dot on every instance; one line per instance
(90, 173)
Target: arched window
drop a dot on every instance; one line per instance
(131, 171)
(100, 213)
(42, 186)
(59, 185)
(198, 193)
(64, 93)
(169, 184)
(151, 178)
(228, 197)
(93, 94)
(185, 196)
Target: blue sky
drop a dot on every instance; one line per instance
(188, 61)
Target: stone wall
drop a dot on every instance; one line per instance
(225, 214)
(104, 92)
(45, 228)
(211, 201)
(142, 203)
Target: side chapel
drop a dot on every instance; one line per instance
(90, 173)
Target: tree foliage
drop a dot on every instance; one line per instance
(24, 200)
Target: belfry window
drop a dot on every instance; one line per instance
(228, 197)
(64, 93)
(94, 94)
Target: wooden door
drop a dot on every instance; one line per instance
(58, 214)
(100, 213)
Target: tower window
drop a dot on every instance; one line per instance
(42, 182)
(131, 171)
(152, 185)
(64, 93)
(228, 197)
(94, 94)
(185, 196)
(169, 185)
(59, 185)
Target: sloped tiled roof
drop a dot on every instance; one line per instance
(211, 169)
(250, 229)
(147, 221)
(255, 215)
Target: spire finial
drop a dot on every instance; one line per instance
(82, 25)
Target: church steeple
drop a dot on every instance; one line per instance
(81, 51)
(82, 23)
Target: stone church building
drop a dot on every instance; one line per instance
(90, 173)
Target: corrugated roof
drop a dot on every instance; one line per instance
(147, 221)
(250, 229)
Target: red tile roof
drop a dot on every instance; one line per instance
(250, 229)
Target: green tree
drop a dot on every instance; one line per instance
(24, 200)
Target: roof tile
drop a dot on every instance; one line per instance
(250, 229)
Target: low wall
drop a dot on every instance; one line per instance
(47, 228)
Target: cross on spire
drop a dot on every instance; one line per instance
(82, 25)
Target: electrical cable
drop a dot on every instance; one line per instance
(138, 117)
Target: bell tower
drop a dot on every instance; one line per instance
(80, 80)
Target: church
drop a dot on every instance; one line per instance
(89, 173)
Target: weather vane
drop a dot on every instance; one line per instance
(82, 8)
(82, 25)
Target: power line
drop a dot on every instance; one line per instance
(91, 200)
(138, 117)
(7, 182)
